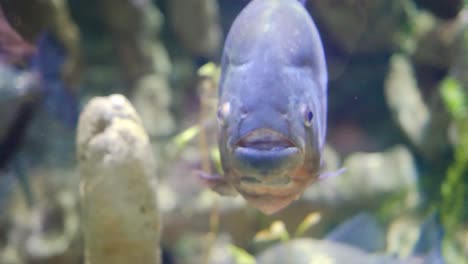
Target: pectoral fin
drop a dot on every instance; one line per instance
(331, 174)
(217, 183)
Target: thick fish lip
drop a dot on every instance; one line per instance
(265, 139)
(259, 158)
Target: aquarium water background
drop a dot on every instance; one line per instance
(397, 122)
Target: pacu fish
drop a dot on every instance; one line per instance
(272, 105)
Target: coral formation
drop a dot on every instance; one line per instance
(120, 217)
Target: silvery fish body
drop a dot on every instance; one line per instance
(272, 105)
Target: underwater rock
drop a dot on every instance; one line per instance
(331, 160)
(462, 240)
(120, 215)
(192, 211)
(369, 179)
(361, 231)
(54, 232)
(132, 16)
(193, 248)
(439, 53)
(358, 27)
(48, 231)
(447, 9)
(420, 238)
(31, 18)
(151, 99)
(48, 143)
(9, 255)
(436, 47)
(307, 251)
(196, 24)
(152, 94)
(144, 61)
(403, 232)
(134, 26)
(383, 174)
(425, 124)
(162, 64)
(459, 68)
(410, 111)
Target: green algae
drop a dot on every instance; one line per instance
(454, 189)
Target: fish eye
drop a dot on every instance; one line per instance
(308, 116)
(223, 112)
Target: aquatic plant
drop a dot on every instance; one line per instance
(454, 189)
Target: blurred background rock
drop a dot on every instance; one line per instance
(397, 115)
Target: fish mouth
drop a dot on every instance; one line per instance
(265, 140)
(266, 156)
